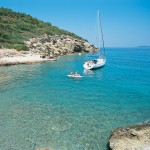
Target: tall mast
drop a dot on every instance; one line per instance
(100, 29)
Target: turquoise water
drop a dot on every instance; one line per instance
(41, 107)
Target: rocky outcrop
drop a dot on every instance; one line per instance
(131, 138)
(53, 46)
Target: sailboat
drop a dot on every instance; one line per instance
(101, 60)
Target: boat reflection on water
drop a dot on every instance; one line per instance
(93, 73)
(88, 72)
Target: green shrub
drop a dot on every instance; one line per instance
(15, 28)
(20, 47)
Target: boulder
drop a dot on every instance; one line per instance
(1, 46)
(135, 137)
(70, 46)
(87, 45)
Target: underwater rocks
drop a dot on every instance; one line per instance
(44, 149)
(135, 137)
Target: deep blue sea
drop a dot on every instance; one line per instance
(41, 107)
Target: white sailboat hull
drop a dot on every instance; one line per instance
(96, 63)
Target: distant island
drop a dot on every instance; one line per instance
(23, 37)
(144, 46)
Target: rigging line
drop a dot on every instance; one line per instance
(101, 30)
(98, 32)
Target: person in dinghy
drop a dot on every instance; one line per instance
(76, 74)
(71, 73)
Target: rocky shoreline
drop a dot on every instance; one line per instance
(136, 137)
(13, 57)
(45, 48)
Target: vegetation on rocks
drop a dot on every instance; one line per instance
(15, 28)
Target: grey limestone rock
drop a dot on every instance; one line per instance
(135, 137)
(59, 45)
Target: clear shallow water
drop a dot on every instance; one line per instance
(41, 107)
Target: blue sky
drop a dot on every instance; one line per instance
(126, 23)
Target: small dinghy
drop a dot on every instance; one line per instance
(75, 76)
